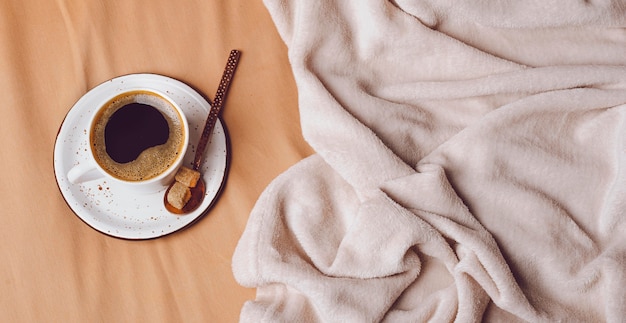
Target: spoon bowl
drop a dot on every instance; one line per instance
(197, 196)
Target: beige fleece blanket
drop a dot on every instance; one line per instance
(470, 165)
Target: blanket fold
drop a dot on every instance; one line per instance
(459, 174)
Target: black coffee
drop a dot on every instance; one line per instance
(137, 136)
(132, 129)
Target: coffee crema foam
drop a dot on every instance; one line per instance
(152, 161)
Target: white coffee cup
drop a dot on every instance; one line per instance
(137, 139)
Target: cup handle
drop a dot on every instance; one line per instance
(83, 173)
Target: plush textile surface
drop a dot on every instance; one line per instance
(53, 267)
(470, 165)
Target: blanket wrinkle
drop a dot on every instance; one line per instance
(458, 224)
(352, 140)
(291, 260)
(512, 14)
(523, 83)
(612, 210)
(467, 167)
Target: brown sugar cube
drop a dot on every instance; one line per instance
(178, 195)
(187, 176)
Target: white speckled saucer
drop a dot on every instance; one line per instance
(113, 210)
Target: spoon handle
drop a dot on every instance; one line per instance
(216, 107)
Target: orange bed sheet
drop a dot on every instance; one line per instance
(55, 268)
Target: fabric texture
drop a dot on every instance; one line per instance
(470, 165)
